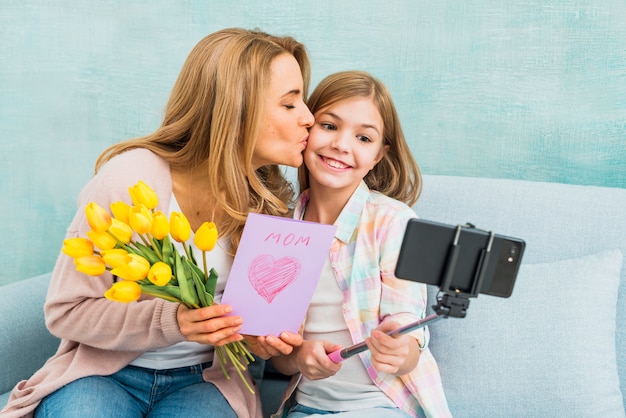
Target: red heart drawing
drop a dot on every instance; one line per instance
(269, 277)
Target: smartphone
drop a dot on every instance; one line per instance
(430, 248)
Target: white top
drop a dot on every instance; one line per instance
(187, 353)
(351, 385)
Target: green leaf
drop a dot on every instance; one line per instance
(167, 250)
(171, 293)
(133, 250)
(211, 282)
(187, 289)
(192, 256)
(197, 271)
(205, 299)
(147, 252)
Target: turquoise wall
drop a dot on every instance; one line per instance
(531, 89)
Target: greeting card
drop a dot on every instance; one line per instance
(275, 272)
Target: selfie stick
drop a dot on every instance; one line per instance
(450, 303)
(339, 355)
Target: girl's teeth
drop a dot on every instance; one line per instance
(335, 164)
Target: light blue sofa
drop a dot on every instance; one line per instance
(555, 348)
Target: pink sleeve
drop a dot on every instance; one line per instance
(75, 308)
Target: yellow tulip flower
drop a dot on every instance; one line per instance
(135, 269)
(99, 219)
(102, 240)
(142, 194)
(179, 227)
(92, 265)
(115, 257)
(160, 273)
(140, 219)
(77, 247)
(120, 210)
(122, 231)
(160, 225)
(123, 291)
(206, 236)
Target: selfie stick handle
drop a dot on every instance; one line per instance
(343, 353)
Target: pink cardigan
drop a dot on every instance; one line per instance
(100, 337)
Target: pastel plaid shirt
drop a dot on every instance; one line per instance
(363, 256)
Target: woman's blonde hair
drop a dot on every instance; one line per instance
(397, 175)
(213, 119)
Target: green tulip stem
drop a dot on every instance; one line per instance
(221, 358)
(187, 251)
(238, 367)
(206, 271)
(120, 242)
(246, 352)
(160, 295)
(145, 241)
(155, 247)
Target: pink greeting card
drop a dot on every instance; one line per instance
(275, 272)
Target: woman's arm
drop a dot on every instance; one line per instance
(75, 307)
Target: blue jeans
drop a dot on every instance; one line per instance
(301, 411)
(135, 392)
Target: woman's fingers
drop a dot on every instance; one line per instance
(271, 346)
(209, 325)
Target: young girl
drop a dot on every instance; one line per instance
(360, 176)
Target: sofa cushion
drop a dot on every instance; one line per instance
(556, 341)
(25, 343)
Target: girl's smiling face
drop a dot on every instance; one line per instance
(345, 143)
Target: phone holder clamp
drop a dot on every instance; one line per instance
(454, 302)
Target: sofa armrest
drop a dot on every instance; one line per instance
(25, 343)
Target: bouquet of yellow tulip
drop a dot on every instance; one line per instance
(152, 266)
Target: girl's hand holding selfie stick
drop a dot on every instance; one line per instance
(340, 355)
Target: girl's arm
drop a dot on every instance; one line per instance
(402, 301)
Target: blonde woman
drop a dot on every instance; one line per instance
(235, 113)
